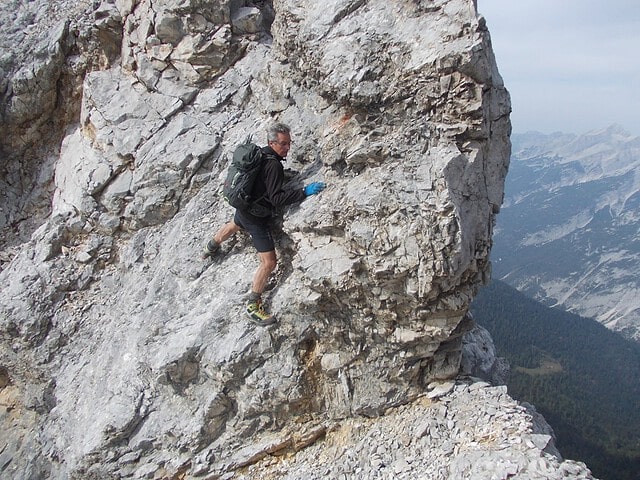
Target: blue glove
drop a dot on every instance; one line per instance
(314, 188)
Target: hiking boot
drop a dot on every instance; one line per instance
(258, 315)
(210, 249)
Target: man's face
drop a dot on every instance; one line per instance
(282, 146)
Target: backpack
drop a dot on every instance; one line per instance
(245, 166)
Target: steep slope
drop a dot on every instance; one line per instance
(568, 231)
(123, 355)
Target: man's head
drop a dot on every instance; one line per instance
(279, 138)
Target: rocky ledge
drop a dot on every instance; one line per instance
(464, 429)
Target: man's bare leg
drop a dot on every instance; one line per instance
(226, 231)
(255, 310)
(268, 262)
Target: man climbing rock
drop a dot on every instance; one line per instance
(270, 192)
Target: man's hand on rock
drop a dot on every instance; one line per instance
(314, 188)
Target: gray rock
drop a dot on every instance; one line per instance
(470, 446)
(479, 358)
(122, 344)
(247, 20)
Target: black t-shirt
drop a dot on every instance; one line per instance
(269, 186)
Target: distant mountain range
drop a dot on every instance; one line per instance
(568, 233)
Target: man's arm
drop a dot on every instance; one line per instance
(274, 180)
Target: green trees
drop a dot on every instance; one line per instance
(582, 377)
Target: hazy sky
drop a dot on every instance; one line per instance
(569, 65)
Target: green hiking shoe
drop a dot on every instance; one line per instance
(258, 315)
(210, 249)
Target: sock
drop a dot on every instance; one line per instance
(254, 297)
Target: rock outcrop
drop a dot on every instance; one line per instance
(123, 355)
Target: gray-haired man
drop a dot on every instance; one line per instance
(269, 188)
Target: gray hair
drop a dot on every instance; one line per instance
(275, 129)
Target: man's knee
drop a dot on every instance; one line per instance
(269, 260)
(233, 226)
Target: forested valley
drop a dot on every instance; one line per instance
(584, 378)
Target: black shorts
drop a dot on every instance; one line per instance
(258, 228)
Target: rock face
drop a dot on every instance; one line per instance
(124, 355)
(480, 360)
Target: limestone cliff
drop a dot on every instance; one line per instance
(123, 354)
